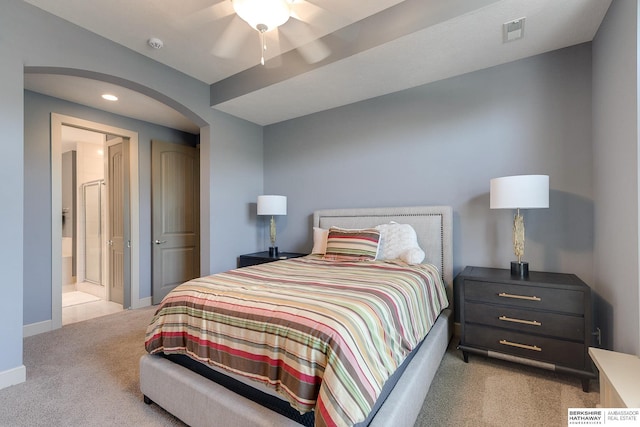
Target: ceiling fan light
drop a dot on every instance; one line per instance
(270, 13)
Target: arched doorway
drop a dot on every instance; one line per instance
(132, 298)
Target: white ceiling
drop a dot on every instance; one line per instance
(376, 47)
(89, 92)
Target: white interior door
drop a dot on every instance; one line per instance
(175, 216)
(117, 219)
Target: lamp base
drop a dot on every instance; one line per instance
(519, 269)
(273, 251)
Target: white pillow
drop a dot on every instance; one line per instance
(399, 241)
(319, 241)
(413, 255)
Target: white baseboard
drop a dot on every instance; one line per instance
(46, 325)
(13, 376)
(36, 328)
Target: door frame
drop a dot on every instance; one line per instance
(57, 121)
(107, 228)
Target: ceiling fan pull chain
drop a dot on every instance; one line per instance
(263, 45)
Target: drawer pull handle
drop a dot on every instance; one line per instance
(526, 322)
(533, 298)
(525, 346)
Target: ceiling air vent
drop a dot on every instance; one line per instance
(513, 30)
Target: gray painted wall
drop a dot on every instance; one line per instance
(37, 204)
(231, 149)
(615, 134)
(237, 163)
(11, 194)
(441, 144)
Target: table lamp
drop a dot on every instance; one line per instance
(519, 192)
(272, 205)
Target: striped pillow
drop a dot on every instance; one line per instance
(352, 245)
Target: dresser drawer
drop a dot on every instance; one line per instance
(534, 297)
(543, 349)
(528, 321)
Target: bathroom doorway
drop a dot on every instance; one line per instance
(87, 220)
(92, 258)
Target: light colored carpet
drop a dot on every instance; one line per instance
(86, 374)
(76, 297)
(491, 392)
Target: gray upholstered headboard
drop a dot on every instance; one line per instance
(433, 225)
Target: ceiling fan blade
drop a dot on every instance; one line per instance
(331, 14)
(302, 37)
(232, 38)
(314, 51)
(312, 14)
(347, 10)
(272, 54)
(201, 16)
(273, 62)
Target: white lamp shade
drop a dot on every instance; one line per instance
(271, 13)
(520, 192)
(272, 205)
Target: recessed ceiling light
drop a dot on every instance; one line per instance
(109, 97)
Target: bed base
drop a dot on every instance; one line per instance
(198, 401)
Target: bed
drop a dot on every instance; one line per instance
(198, 401)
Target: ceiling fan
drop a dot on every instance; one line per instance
(280, 25)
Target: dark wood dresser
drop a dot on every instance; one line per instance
(543, 320)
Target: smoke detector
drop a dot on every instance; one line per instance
(513, 30)
(155, 43)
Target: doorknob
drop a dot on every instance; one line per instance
(158, 242)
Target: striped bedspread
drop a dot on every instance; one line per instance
(325, 335)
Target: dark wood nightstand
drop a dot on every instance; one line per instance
(543, 320)
(263, 257)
